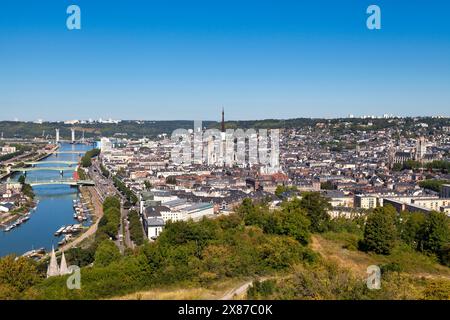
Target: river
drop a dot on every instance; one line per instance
(54, 209)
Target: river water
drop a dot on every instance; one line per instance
(55, 208)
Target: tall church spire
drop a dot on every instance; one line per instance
(223, 119)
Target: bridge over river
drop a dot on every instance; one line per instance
(55, 193)
(28, 169)
(69, 182)
(80, 153)
(34, 163)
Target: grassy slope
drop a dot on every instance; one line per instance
(212, 292)
(339, 248)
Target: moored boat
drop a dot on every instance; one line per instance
(59, 231)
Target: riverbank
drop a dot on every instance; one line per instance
(39, 158)
(11, 217)
(55, 209)
(91, 195)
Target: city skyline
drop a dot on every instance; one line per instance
(117, 120)
(225, 154)
(260, 60)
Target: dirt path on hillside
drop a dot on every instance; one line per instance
(240, 291)
(356, 261)
(237, 292)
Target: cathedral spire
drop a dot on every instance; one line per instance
(223, 119)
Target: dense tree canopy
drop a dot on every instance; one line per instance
(317, 207)
(86, 159)
(16, 276)
(434, 234)
(106, 253)
(254, 241)
(380, 233)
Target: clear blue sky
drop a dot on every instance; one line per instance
(185, 59)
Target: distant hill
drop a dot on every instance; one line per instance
(130, 128)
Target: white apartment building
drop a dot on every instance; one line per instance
(365, 201)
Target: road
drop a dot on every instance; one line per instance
(106, 188)
(127, 238)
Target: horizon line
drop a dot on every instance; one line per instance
(39, 121)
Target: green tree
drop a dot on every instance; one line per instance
(246, 207)
(434, 235)
(111, 202)
(380, 232)
(444, 255)
(261, 290)
(111, 227)
(171, 180)
(291, 221)
(86, 162)
(21, 179)
(327, 186)
(104, 171)
(410, 227)
(317, 207)
(28, 190)
(435, 185)
(80, 257)
(282, 191)
(106, 253)
(16, 276)
(136, 230)
(148, 185)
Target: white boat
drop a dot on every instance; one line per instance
(77, 227)
(59, 231)
(34, 253)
